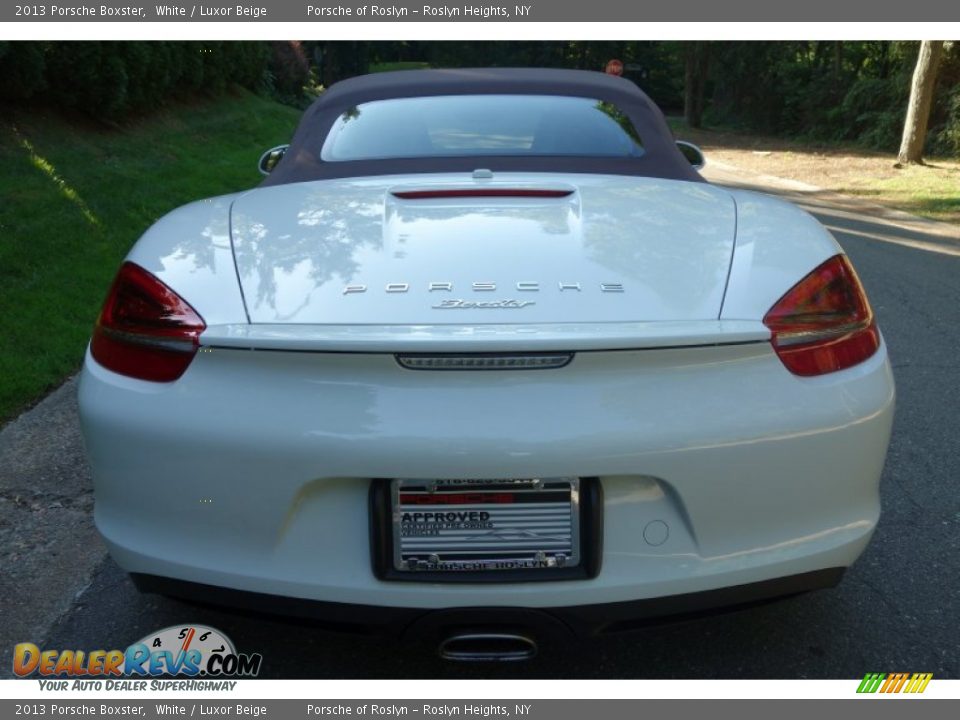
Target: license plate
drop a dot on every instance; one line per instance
(467, 526)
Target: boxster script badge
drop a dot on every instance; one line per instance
(488, 305)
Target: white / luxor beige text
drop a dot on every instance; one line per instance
(202, 11)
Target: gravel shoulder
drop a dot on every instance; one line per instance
(931, 190)
(831, 204)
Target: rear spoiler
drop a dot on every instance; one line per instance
(484, 338)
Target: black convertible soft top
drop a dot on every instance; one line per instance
(661, 158)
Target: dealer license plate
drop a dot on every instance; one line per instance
(485, 525)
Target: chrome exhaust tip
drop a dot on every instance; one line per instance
(488, 647)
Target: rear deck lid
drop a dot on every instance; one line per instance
(427, 250)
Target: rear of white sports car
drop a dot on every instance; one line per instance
(522, 398)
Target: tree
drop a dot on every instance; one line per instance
(695, 79)
(921, 99)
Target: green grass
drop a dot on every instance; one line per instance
(74, 197)
(931, 191)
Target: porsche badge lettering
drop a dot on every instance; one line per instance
(525, 286)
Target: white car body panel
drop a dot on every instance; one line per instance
(667, 242)
(190, 250)
(755, 472)
(777, 244)
(252, 470)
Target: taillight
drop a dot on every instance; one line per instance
(824, 322)
(145, 329)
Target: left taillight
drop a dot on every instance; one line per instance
(145, 329)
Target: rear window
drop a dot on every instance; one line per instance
(458, 125)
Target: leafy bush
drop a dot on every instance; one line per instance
(21, 70)
(945, 139)
(108, 80)
(872, 112)
(86, 76)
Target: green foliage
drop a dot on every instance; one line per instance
(833, 91)
(110, 80)
(945, 139)
(21, 70)
(334, 61)
(871, 112)
(745, 85)
(76, 198)
(828, 91)
(945, 123)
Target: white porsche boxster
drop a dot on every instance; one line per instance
(485, 355)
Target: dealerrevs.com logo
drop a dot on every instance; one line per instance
(182, 650)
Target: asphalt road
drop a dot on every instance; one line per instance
(896, 610)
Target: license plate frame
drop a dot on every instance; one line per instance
(387, 545)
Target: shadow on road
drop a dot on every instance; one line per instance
(796, 636)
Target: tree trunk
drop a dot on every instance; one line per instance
(921, 99)
(837, 61)
(695, 79)
(703, 67)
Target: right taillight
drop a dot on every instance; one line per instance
(824, 322)
(145, 330)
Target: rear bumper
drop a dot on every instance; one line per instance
(718, 467)
(433, 625)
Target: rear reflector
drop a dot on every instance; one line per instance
(145, 329)
(824, 323)
(488, 192)
(485, 362)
